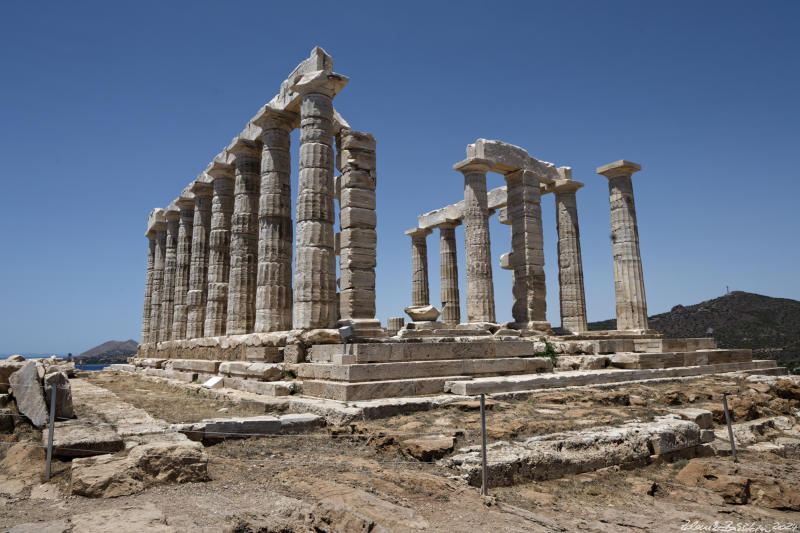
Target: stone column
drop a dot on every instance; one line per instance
(172, 213)
(358, 239)
(480, 287)
(185, 203)
(420, 294)
(274, 277)
(570, 264)
(448, 271)
(148, 285)
(219, 248)
(527, 251)
(159, 227)
(315, 263)
(628, 278)
(244, 237)
(197, 297)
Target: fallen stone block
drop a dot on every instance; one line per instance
(298, 423)
(701, 417)
(76, 438)
(27, 391)
(7, 368)
(213, 383)
(429, 449)
(261, 371)
(60, 382)
(122, 367)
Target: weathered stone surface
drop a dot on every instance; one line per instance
(570, 262)
(27, 390)
(420, 295)
(157, 227)
(448, 272)
(7, 368)
(185, 203)
(422, 312)
(262, 371)
(60, 381)
(83, 439)
(582, 362)
(428, 449)
(130, 519)
(197, 295)
(702, 417)
(6, 421)
(219, 249)
(167, 312)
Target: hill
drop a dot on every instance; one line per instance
(109, 352)
(769, 326)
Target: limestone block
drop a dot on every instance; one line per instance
(356, 140)
(6, 369)
(27, 390)
(60, 382)
(358, 238)
(294, 353)
(702, 417)
(357, 258)
(422, 312)
(261, 371)
(357, 302)
(394, 324)
(193, 365)
(362, 159)
(357, 217)
(75, 438)
(214, 382)
(363, 198)
(357, 279)
(358, 179)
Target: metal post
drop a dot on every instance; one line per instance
(730, 427)
(53, 391)
(484, 481)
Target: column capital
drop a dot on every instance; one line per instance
(202, 186)
(619, 168)
(217, 169)
(240, 146)
(448, 223)
(185, 200)
(419, 232)
(172, 212)
(269, 118)
(473, 164)
(155, 222)
(320, 81)
(566, 186)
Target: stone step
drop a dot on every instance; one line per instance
(422, 369)
(574, 378)
(676, 359)
(777, 371)
(370, 390)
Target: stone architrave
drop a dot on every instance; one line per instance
(480, 287)
(197, 296)
(314, 293)
(527, 251)
(159, 226)
(274, 277)
(172, 214)
(358, 239)
(148, 285)
(244, 237)
(185, 203)
(570, 264)
(420, 294)
(628, 278)
(219, 248)
(448, 271)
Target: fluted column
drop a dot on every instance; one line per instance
(527, 251)
(448, 271)
(570, 264)
(197, 296)
(244, 237)
(480, 287)
(170, 263)
(420, 294)
(315, 263)
(185, 203)
(159, 227)
(148, 285)
(219, 248)
(274, 277)
(628, 278)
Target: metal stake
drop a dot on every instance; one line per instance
(730, 427)
(53, 390)
(484, 481)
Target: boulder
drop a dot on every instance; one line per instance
(787, 390)
(6, 369)
(422, 313)
(27, 390)
(429, 449)
(734, 489)
(60, 381)
(83, 439)
(15, 358)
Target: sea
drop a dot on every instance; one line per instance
(61, 356)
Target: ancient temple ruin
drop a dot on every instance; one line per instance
(220, 300)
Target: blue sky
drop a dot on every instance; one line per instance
(110, 108)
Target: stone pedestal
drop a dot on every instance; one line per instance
(420, 292)
(315, 263)
(274, 278)
(159, 227)
(148, 285)
(172, 213)
(570, 264)
(448, 272)
(219, 248)
(628, 278)
(244, 237)
(527, 251)
(185, 204)
(197, 296)
(480, 287)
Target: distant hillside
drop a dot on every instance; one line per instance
(769, 326)
(109, 352)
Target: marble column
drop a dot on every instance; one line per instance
(628, 278)
(527, 251)
(148, 285)
(315, 264)
(159, 226)
(185, 203)
(448, 271)
(274, 276)
(197, 296)
(420, 294)
(244, 237)
(570, 264)
(172, 213)
(480, 287)
(219, 248)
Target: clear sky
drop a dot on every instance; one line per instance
(110, 108)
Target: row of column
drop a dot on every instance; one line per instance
(526, 260)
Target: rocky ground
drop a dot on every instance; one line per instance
(391, 474)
